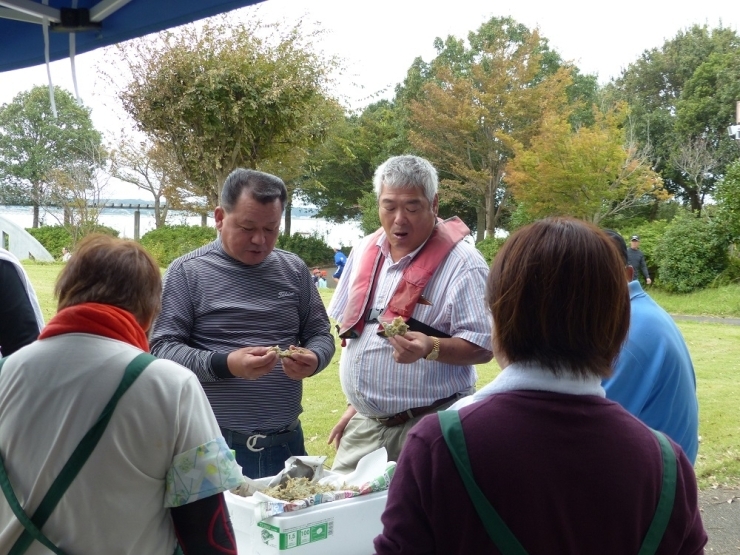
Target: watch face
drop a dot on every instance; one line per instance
(433, 355)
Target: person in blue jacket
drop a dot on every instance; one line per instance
(340, 260)
(653, 376)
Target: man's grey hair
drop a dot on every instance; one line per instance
(263, 187)
(406, 172)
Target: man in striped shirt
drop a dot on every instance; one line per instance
(224, 305)
(391, 383)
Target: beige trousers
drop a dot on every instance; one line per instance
(364, 435)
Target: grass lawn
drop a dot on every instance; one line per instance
(722, 301)
(715, 350)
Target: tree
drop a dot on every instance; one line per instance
(223, 97)
(682, 93)
(34, 143)
(470, 105)
(344, 164)
(152, 167)
(78, 189)
(296, 165)
(591, 172)
(728, 202)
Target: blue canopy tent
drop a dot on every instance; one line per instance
(77, 26)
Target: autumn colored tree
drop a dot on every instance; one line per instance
(226, 95)
(34, 143)
(469, 107)
(591, 172)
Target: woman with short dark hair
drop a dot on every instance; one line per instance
(539, 461)
(106, 449)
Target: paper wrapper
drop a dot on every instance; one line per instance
(373, 473)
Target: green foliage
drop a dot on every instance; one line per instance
(731, 274)
(651, 235)
(489, 247)
(34, 143)
(370, 220)
(313, 250)
(225, 95)
(682, 97)
(346, 161)
(172, 241)
(691, 254)
(54, 237)
(728, 202)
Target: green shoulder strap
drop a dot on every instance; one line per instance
(497, 529)
(70, 470)
(665, 501)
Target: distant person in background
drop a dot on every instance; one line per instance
(66, 255)
(653, 377)
(340, 259)
(322, 280)
(636, 259)
(20, 314)
(316, 276)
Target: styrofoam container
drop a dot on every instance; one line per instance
(345, 527)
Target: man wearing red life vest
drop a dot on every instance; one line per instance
(416, 267)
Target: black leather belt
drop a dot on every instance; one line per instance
(405, 416)
(259, 441)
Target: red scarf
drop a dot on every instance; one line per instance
(98, 319)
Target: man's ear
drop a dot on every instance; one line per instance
(629, 271)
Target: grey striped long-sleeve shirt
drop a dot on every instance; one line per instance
(213, 305)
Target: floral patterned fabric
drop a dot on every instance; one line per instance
(203, 471)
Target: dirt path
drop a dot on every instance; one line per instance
(720, 513)
(707, 319)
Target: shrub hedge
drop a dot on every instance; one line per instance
(54, 237)
(312, 249)
(691, 254)
(172, 241)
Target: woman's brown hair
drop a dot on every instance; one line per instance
(558, 296)
(112, 271)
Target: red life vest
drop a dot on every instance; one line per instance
(444, 237)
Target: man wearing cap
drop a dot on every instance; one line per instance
(653, 376)
(637, 259)
(416, 268)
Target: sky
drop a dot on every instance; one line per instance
(379, 40)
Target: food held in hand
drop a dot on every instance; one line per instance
(287, 352)
(396, 327)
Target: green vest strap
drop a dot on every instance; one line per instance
(497, 530)
(665, 501)
(71, 468)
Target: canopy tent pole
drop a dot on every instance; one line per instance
(45, 26)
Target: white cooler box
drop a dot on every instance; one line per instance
(345, 527)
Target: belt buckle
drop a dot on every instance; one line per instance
(252, 441)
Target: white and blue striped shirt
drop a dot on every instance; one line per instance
(374, 383)
(213, 305)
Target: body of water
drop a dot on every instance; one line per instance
(122, 220)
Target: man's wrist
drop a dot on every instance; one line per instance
(434, 353)
(220, 366)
